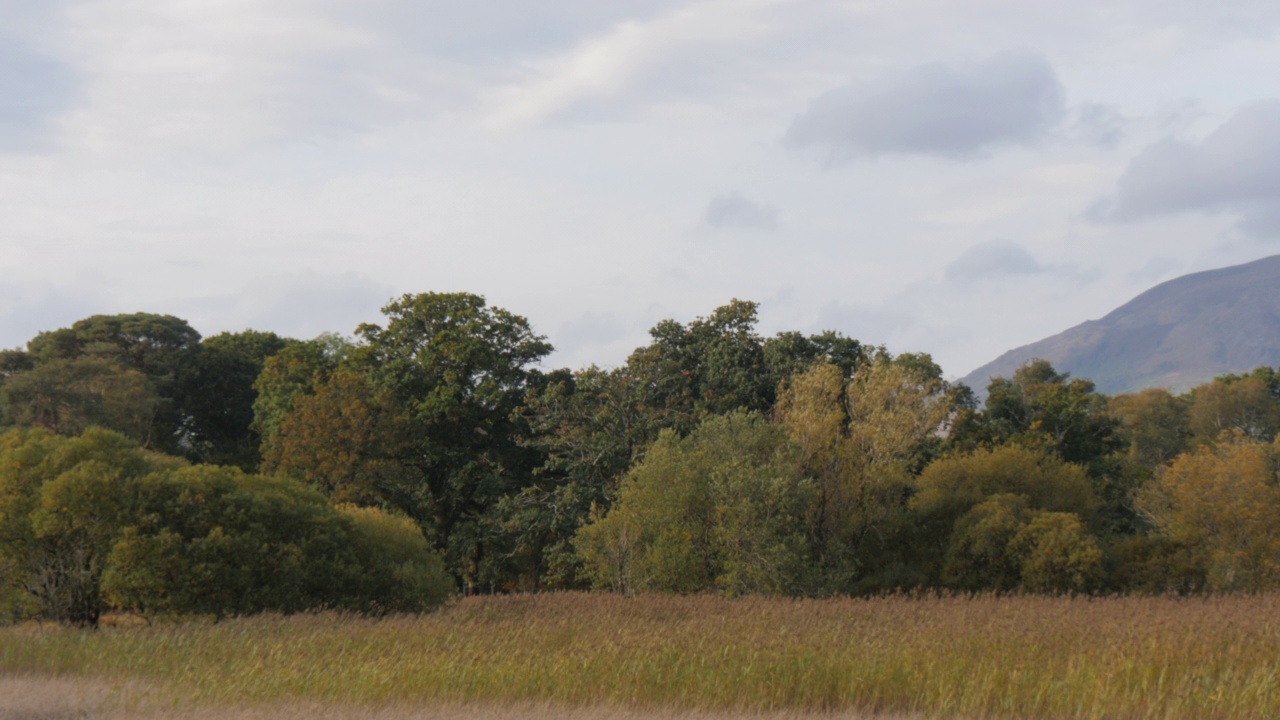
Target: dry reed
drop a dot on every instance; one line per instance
(988, 656)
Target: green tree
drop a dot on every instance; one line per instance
(13, 362)
(214, 540)
(1057, 554)
(722, 509)
(457, 370)
(69, 396)
(791, 353)
(592, 426)
(161, 347)
(952, 487)
(1041, 407)
(980, 555)
(1003, 544)
(221, 396)
(295, 371)
(62, 501)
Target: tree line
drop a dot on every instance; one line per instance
(146, 468)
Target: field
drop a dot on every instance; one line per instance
(579, 655)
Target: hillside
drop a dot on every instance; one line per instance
(1176, 335)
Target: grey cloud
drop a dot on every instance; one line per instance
(1098, 124)
(1235, 169)
(34, 88)
(992, 259)
(936, 109)
(733, 211)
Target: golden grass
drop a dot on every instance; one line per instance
(1013, 657)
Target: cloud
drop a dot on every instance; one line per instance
(939, 110)
(1098, 124)
(733, 211)
(608, 65)
(34, 89)
(1235, 169)
(218, 78)
(992, 260)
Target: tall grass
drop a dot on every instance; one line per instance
(949, 657)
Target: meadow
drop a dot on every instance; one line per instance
(962, 657)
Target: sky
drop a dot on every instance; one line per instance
(957, 178)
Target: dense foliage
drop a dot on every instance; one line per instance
(148, 469)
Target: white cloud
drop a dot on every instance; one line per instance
(605, 66)
(214, 78)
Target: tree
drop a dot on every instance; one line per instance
(161, 347)
(862, 440)
(13, 362)
(62, 502)
(951, 488)
(1057, 554)
(1041, 407)
(981, 555)
(713, 365)
(594, 425)
(216, 541)
(221, 396)
(591, 426)
(1233, 404)
(69, 396)
(1223, 501)
(1002, 544)
(791, 353)
(350, 442)
(721, 509)
(1153, 424)
(447, 373)
(295, 371)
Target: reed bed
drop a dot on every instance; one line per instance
(970, 657)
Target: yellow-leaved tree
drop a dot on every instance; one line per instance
(1224, 502)
(861, 440)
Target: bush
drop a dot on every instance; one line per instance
(95, 522)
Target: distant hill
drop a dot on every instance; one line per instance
(1176, 335)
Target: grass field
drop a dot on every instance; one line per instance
(1015, 657)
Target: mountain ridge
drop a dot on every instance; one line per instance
(1176, 335)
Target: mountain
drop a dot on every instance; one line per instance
(1176, 335)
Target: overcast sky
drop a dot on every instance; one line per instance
(950, 177)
